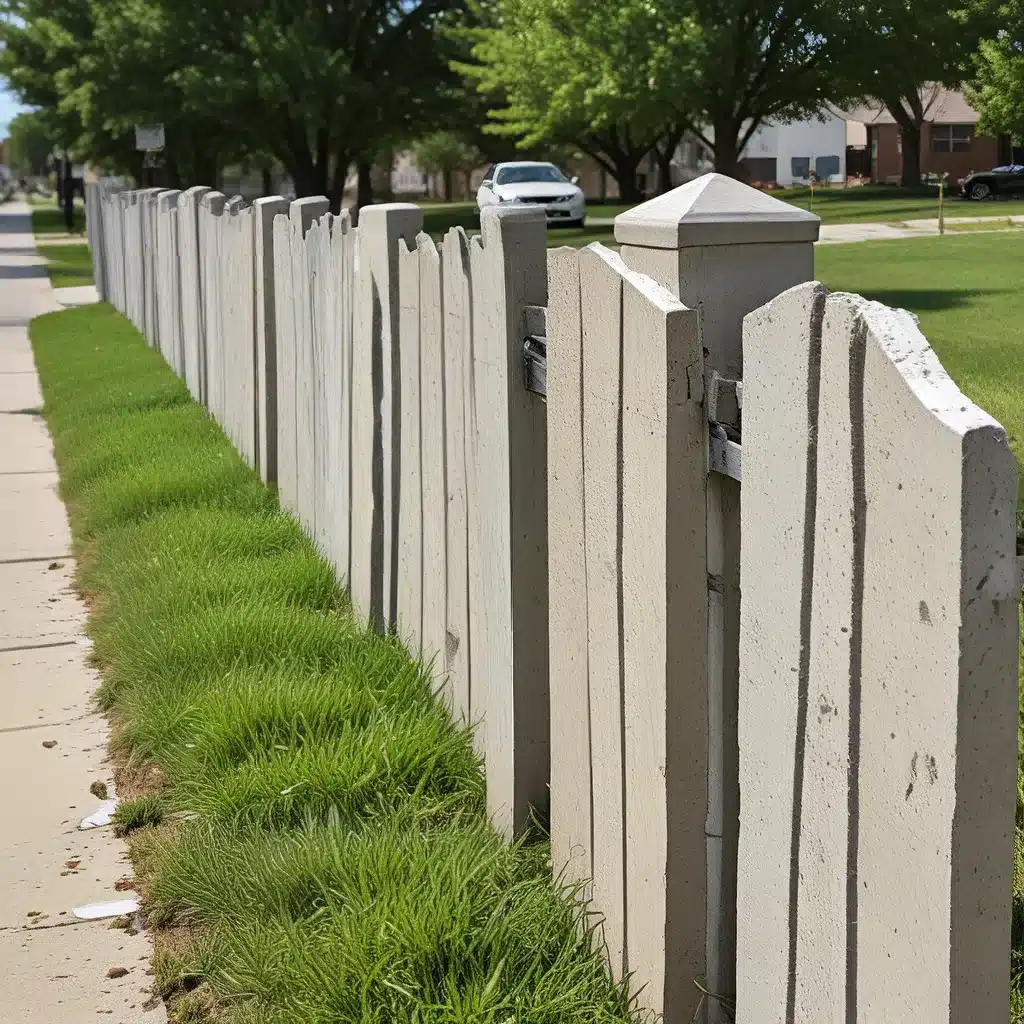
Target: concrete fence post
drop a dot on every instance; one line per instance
(878, 676)
(376, 410)
(724, 249)
(507, 483)
(293, 338)
(191, 277)
(264, 212)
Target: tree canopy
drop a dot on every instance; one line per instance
(316, 85)
(997, 88)
(917, 47)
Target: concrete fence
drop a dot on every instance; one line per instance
(798, 807)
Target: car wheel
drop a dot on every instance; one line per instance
(581, 223)
(981, 190)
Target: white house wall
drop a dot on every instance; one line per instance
(817, 137)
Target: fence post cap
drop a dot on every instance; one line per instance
(714, 210)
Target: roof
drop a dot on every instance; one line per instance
(942, 106)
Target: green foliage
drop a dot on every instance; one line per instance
(30, 142)
(330, 856)
(998, 86)
(916, 48)
(445, 152)
(142, 812)
(313, 85)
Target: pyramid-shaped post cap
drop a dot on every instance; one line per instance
(714, 210)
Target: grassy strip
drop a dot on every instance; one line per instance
(312, 837)
(48, 219)
(67, 265)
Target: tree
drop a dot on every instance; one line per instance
(314, 85)
(917, 48)
(30, 143)
(582, 73)
(623, 77)
(997, 89)
(444, 153)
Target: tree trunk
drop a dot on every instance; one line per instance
(626, 164)
(364, 189)
(664, 151)
(336, 188)
(727, 155)
(910, 134)
(268, 181)
(447, 177)
(908, 113)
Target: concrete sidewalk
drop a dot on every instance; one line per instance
(55, 967)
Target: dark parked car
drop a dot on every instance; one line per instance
(1000, 181)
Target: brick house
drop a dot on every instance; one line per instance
(950, 143)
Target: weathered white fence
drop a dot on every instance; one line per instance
(797, 809)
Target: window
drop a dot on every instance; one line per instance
(521, 174)
(801, 167)
(826, 167)
(951, 138)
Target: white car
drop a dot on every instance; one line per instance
(527, 182)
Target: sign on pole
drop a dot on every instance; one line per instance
(149, 137)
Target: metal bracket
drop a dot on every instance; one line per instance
(725, 456)
(535, 350)
(535, 365)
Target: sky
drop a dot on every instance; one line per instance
(9, 107)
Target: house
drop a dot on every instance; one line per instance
(789, 152)
(950, 143)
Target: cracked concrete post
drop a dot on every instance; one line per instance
(725, 249)
(878, 676)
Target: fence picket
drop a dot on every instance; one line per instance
(409, 576)
(571, 824)
(601, 298)
(458, 333)
(432, 451)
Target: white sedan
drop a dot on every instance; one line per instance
(524, 182)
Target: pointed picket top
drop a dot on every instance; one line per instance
(714, 210)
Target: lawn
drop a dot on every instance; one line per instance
(890, 204)
(308, 822)
(967, 292)
(857, 205)
(68, 265)
(49, 220)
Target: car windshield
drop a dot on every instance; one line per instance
(528, 173)
(1009, 169)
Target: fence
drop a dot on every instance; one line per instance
(465, 429)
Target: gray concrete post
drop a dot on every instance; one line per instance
(264, 212)
(725, 249)
(377, 410)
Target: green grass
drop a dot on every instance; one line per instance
(142, 812)
(861, 204)
(326, 854)
(873, 203)
(68, 265)
(49, 220)
(967, 292)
